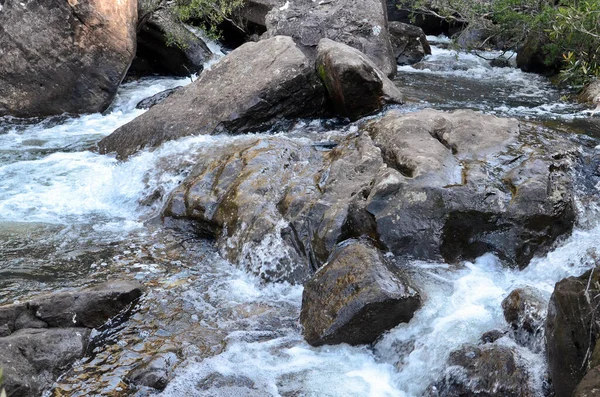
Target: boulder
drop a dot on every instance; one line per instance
(525, 312)
(531, 57)
(355, 85)
(89, 307)
(572, 329)
(156, 98)
(361, 24)
(63, 56)
(409, 43)
(155, 373)
(590, 94)
(255, 11)
(32, 359)
(489, 370)
(589, 385)
(403, 11)
(355, 297)
(250, 89)
(164, 45)
(460, 184)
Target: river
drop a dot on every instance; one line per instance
(70, 217)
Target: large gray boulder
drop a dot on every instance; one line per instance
(572, 330)
(489, 370)
(32, 359)
(165, 46)
(63, 56)
(409, 43)
(460, 184)
(355, 84)
(361, 24)
(248, 90)
(355, 297)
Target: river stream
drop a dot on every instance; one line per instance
(70, 217)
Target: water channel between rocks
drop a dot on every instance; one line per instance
(70, 217)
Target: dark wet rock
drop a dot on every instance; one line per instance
(89, 307)
(409, 43)
(156, 98)
(355, 297)
(589, 385)
(248, 90)
(590, 95)
(458, 185)
(216, 385)
(492, 336)
(355, 85)
(531, 57)
(164, 45)
(154, 373)
(525, 311)
(361, 24)
(500, 62)
(572, 329)
(489, 370)
(32, 359)
(403, 11)
(255, 11)
(282, 196)
(63, 56)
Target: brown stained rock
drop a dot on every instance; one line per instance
(355, 297)
(61, 56)
(525, 311)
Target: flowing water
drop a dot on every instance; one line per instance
(70, 217)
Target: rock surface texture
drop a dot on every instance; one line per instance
(409, 43)
(489, 370)
(63, 56)
(361, 24)
(41, 338)
(355, 84)
(248, 90)
(572, 330)
(525, 311)
(355, 297)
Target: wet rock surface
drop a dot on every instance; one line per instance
(361, 24)
(355, 84)
(75, 66)
(525, 311)
(248, 90)
(355, 297)
(490, 370)
(589, 385)
(156, 99)
(572, 330)
(409, 43)
(155, 373)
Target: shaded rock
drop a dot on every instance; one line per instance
(279, 196)
(63, 56)
(156, 98)
(525, 311)
(531, 57)
(248, 90)
(403, 11)
(409, 43)
(591, 94)
(89, 307)
(164, 45)
(492, 336)
(154, 373)
(255, 11)
(361, 24)
(589, 385)
(500, 62)
(356, 86)
(490, 370)
(355, 297)
(32, 359)
(572, 329)
(457, 185)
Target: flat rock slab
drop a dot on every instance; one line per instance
(355, 297)
(248, 90)
(64, 56)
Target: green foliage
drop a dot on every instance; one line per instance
(2, 391)
(206, 13)
(566, 30)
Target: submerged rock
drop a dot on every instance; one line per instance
(250, 89)
(154, 373)
(460, 184)
(164, 45)
(409, 43)
(489, 370)
(525, 311)
(355, 297)
(355, 85)
(63, 56)
(32, 359)
(572, 329)
(361, 24)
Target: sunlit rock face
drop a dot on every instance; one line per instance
(61, 56)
